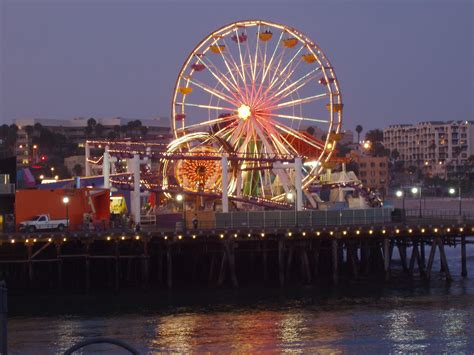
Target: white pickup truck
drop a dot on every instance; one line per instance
(42, 222)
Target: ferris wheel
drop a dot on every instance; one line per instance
(252, 88)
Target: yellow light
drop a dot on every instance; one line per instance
(304, 233)
(422, 230)
(41, 177)
(436, 230)
(263, 235)
(366, 145)
(137, 237)
(344, 232)
(235, 235)
(194, 237)
(329, 145)
(65, 239)
(448, 230)
(26, 241)
(249, 235)
(357, 232)
(49, 240)
(123, 238)
(108, 238)
(384, 231)
(13, 241)
(410, 230)
(222, 236)
(397, 231)
(318, 233)
(166, 237)
(289, 234)
(180, 237)
(34, 240)
(243, 111)
(331, 232)
(461, 229)
(371, 231)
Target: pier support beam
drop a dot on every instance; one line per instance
(335, 261)
(386, 258)
(281, 261)
(463, 257)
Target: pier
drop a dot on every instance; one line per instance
(226, 256)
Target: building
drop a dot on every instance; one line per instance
(435, 147)
(373, 172)
(76, 131)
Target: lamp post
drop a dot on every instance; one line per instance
(291, 197)
(180, 199)
(66, 202)
(452, 191)
(417, 191)
(400, 194)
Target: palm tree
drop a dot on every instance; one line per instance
(359, 130)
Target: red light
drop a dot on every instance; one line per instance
(43, 157)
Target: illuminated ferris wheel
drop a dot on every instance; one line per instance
(251, 89)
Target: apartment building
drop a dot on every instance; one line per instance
(373, 171)
(432, 146)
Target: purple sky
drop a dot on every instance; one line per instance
(397, 62)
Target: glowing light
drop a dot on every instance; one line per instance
(123, 238)
(263, 235)
(179, 197)
(448, 230)
(399, 193)
(137, 237)
(65, 239)
(461, 229)
(289, 234)
(331, 232)
(414, 190)
(222, 236)
(13, 241)
(384, 231)
(194, 236)
(180, 237)
(108, 238)
(65, 200)
(371, 231)
(410, 230)
(357, 232)
(436, 230)
(318, 233)
(422, 230)
(366, 145)
(452, 190)
(243, 111)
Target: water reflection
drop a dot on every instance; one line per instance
(403, 331)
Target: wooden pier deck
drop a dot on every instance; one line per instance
(230, 257)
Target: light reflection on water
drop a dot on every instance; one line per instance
(397, 320)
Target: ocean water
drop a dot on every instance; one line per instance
(403, 316)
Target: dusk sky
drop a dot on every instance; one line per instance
(397, 62)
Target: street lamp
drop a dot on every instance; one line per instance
(452, 191)
(180, 199)
(66, 202)
(417, 191)
(291, 197)
(399, 193)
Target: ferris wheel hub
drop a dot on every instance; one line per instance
(244, 111)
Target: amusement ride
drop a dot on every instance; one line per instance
(239, 112)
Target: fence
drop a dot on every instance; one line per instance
(278, 219)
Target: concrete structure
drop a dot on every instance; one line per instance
(433, 145)
(72, 161)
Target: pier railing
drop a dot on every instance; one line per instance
(282, 219)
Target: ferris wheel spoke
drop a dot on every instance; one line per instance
(210, 122)
(220, 108)
(213, 91)
(298, 101)
(233, 61)
(217, 77)
(299, 118)
(270, 62)
(288, 65)
(305, 79)
(298, 135)
(240, 55)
